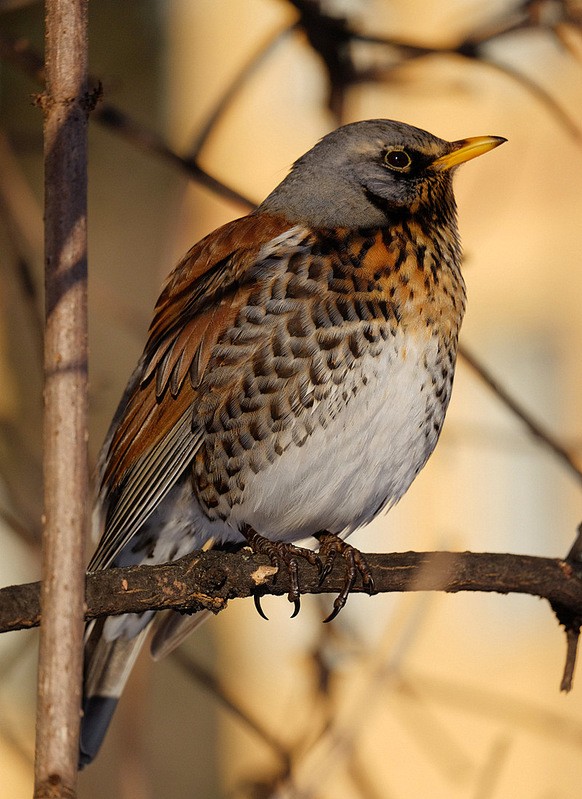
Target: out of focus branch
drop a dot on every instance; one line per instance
(113, 118)
(221, 692)
(24, 226)
(19, 53)
(536, 428)
(334, 39)
(257, 59)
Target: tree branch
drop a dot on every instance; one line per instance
(208, 580)
(536, 428)
(65, 107)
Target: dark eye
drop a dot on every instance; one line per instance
(397, 159)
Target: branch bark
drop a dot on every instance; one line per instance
(208, 580)
(65, 107)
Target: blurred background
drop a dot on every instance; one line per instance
(402, 696)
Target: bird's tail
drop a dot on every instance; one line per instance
(108, 664)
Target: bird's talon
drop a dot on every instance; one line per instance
(361, 565)
(327, 566)
(282, 555)
(297, 608)
(330, 546)
(337, 606)
(260, 611)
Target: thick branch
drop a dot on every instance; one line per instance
(65, 392)
(209, 579)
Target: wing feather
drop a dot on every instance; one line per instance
(154, 437)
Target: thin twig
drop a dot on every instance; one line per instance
(534, 427)
(113, 118)
(257, 59)
(536, 91)
(337, 742)
(490, 772)
(503, 707)
(25, 228)
(472, 47)
(19, 53)
(572, 639)
(22, 480)
(220, 692)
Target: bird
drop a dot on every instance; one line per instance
(294, 382)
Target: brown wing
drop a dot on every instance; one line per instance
(153, 436)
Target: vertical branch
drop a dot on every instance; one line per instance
(65, 460)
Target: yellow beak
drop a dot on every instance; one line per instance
(465, 149)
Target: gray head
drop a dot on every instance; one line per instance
(364, 174)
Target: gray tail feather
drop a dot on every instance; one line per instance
(107, 667)
(171, 628)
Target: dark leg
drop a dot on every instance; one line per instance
(282, 555)
(331, 545)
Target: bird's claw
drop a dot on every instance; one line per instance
(285, 555)
(330, 546)
(282, 555)
(258, 606)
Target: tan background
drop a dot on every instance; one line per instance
(432, 695)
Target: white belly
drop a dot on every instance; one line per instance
(364, 459)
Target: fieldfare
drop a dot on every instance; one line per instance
(295, 379)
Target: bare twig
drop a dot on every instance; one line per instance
(25, 228)
(364, 779)
(504, 707)
(572, 638)
(22, 481)
(19, 53)
(332, 36)
(115, 119)
(570, 620)
(537, 92)
(490, 773)
(220, 692)
(257, 59)
(65, 106)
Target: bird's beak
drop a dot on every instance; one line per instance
(465, 149)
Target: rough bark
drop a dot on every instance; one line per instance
(65, 106)
(210, 579)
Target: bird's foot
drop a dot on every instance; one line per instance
(331, 545)
(282, 555)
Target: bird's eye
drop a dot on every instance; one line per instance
(397, 159)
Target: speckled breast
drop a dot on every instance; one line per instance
(326, 397)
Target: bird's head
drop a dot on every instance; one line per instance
(366, 173)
